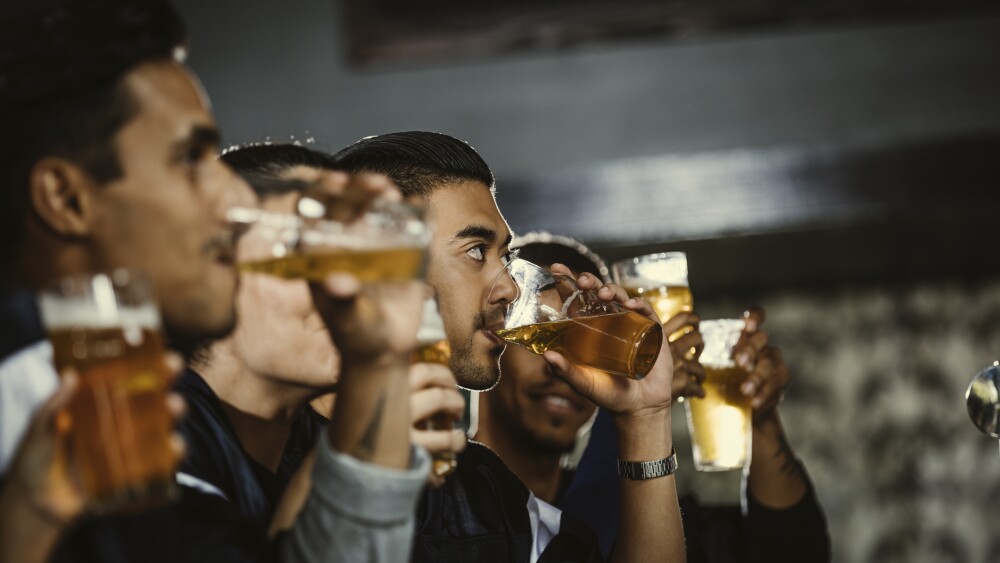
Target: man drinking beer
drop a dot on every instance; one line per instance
(532, 419)
(483, 510)
(110, 162)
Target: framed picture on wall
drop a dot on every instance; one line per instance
(398, 31)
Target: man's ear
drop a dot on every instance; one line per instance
(61, 196)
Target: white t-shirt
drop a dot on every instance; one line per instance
(27, 380)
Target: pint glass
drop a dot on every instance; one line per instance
(386, 244)
(107, 327)
(661, 279)
(720, 423)
(552, 313)
(433, 348)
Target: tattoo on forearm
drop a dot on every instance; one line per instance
(790, 465)
(366, 447)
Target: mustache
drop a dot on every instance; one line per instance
(491, 317)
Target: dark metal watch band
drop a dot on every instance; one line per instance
(640, 470)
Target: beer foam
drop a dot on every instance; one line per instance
(720, 337)
(431, 324)
(672, 272)
(59, 312)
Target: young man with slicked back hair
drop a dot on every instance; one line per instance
(483, 512)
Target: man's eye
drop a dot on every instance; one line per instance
(195, 155)
(477, 253)
(506, 258)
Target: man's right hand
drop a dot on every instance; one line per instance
(369, 323)
(688, 372)
(433, 392)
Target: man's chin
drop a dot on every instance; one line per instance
(191, 339)
(475, 375)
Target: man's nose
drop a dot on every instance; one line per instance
(504, 290)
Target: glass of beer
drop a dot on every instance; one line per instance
(720, 423)
(661, 279)
(107, 327)
(386, 244)
(552, 313)
(433, 348)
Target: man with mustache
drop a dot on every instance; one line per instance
(111, 161)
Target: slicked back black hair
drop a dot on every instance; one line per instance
(262, 164)
(62, 90)
(417, 161)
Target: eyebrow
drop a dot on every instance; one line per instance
(485, 233)
(199, 136)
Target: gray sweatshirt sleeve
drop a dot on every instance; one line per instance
(357, 512)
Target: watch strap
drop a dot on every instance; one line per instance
(642, 470)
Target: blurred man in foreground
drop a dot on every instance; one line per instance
(111, 161)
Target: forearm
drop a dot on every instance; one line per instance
(372, 417)
(651, 526)
(776, 478)
(357, 511)
(27, 533)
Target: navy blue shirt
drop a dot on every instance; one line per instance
(712, 534)
(202, 526)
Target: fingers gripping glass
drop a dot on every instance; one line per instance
(551, 312)
(107, 328)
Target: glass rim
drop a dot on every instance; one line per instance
(103, 299)
(654, 257)
(582, 294)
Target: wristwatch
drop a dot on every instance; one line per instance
(641, 470)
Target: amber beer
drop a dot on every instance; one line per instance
(119, 428)
(661, 279)
(720, 423)
(433, 348)
(368, 265)
(624, 343)
(667, 301)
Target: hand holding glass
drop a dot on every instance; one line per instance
(107, 328)
(433, 348)
(552, 313)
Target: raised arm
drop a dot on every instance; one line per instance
(785, 521)
(651, 527)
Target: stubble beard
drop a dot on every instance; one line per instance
(473, 374)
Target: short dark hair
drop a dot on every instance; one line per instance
(417, 161)
(62, 89)
(544, 249)
(262, 164)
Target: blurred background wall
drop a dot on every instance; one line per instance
(843, 175)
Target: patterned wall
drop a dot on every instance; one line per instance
(876, 410)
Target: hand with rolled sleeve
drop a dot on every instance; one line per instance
(776, 477)
(651, 527)
(434, 391)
